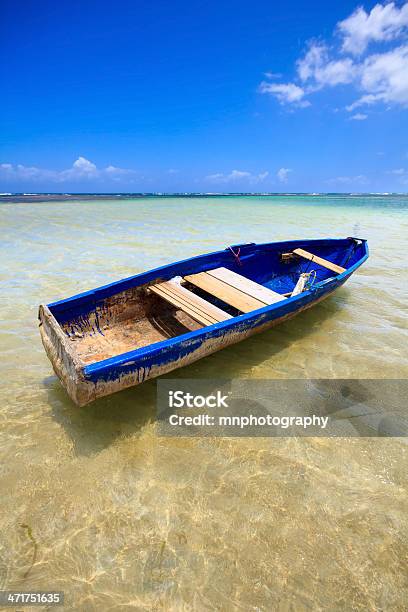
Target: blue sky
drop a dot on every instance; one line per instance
(203, 96)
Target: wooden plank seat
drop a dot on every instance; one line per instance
(196, 307)
(319, 260)
(234, 289)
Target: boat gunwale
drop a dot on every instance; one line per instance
(108, 290)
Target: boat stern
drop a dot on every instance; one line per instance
(66, 364)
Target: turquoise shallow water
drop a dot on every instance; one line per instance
(125, 520)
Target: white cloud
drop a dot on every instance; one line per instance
(380, 77)
(283, 173)
(84, 166)
(359, 117)
(19, 171)
(383, 23)
(81, 169)
(385, 76)
(316, 67)
(333, 73)
(399, 171)
(237, 175)
(314, 58)
(285, 92)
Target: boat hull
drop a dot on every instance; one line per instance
(85, 383)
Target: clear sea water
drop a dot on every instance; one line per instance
(95, 504)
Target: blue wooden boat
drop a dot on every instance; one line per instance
(124, 333)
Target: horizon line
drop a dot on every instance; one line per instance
(197, 193)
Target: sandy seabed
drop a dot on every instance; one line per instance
(122, 519)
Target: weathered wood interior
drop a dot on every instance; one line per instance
(145, 315)
(127, 321)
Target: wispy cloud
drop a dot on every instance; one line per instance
(283, 174)
(81, 169)
(359, 117)
(286, 93)
(273, 75)
(117, 174)
(359, 179)
(380, 77)
(401, 174)
(237, 176)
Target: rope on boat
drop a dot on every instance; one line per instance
(311, 279)
(308, 264)
(236, 255)
(351, 253)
